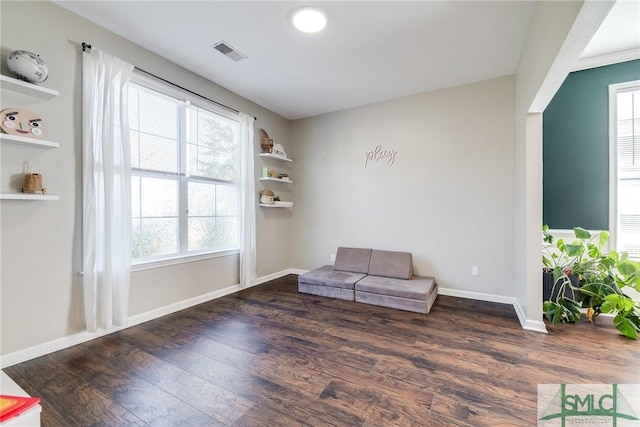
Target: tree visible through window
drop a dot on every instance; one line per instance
(627, 178)
(185, 165)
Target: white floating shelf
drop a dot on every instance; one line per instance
(16, 139)
(271, 156)
(276, 179)
(25, 88)
(278, 205)
(25, 196)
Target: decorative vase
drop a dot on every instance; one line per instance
(27, 66)
(266, 197)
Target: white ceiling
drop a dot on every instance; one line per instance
(370, 51)
(619, 32)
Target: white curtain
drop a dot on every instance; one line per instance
(248, 196)
(106, 193)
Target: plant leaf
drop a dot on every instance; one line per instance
(581, 233)
(593, 250)
(626, 327)
(610, 303)
(573, 250)
(557, 274)
(560, 245)
(627, 268)
(603, 238)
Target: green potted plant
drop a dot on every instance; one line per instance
(599, 280)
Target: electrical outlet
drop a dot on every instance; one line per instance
(333, 257)
(475, 270)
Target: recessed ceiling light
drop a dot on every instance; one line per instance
(309, 19)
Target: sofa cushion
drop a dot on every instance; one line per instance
(326, 291)
(391, 264)
(355, 260)
(327, 276)
(417, 288)
(417, 306)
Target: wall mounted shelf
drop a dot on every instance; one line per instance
(271, 156)
(16, 139)
(18, 91)
(25, 88)
(276, 180)
(25, 196)
(278, 205)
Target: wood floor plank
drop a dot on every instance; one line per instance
(278, 398)
(457, 411)
(270, 356)
(147, 402)
(159, 346)
(378, 406)
(201, 420)
(219, 403)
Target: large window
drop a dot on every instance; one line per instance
(625, 166)
(185, 167)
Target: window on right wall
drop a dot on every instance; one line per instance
(624, 161)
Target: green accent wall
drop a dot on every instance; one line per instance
(576, 148)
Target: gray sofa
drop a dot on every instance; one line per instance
(383, 278)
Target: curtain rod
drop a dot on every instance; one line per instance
(86, 46)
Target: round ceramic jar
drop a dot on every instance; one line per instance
(27, 66)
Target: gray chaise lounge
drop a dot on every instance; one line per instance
(383, 278)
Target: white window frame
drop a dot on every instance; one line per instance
(191, 256)
(614, 89)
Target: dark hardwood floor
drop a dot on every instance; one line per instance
(269, 356)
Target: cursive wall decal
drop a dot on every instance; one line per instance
(378, 153)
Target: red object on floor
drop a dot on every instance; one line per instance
(12, 406)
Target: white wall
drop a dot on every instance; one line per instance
(558, 33)
(448, 198)
(40, 289)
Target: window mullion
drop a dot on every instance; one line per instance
(184, 185)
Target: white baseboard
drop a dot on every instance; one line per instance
(528, 324)
(476, 295)
(80, 337)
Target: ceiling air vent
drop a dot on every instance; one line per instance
(224, 48)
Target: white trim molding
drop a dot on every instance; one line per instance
(81, 337)
(614, 90)
(180, 259)
(606, 59)
(527, 324)
(476, 295)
